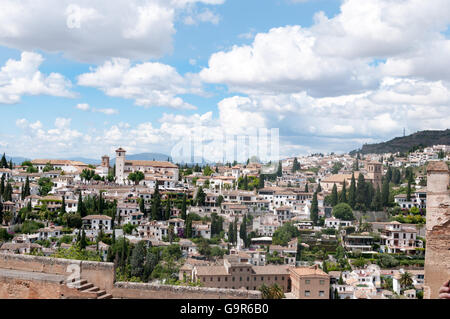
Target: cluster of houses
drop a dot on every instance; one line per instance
(287, 199)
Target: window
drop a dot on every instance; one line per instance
(307, 281)
(307, 293)
(322, 282)
(321, 293)
(240, 278)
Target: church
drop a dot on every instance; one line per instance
(152, 169)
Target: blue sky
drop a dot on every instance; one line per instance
(329, 74)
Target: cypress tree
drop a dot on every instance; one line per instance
(306, 188)
(314, 209)
(7, 196)
(243, 230)
(4, 163)
(385, 193)
(156, 204)
(168, 209)
(261, 181)
(235, 230)
(11, 165)
(352, 192)
(377, 203)
(183, 207)
(63, 205)
(101, 204)
(2, 185)
(361, 193)
(27, 190)
(188, 225)
(1, 213)
(280, 169)
(334, 196)
(408, 192)
(230, 233)
(142, 207)
(343, 194)
(319, 188)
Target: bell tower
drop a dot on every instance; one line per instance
(120, 165)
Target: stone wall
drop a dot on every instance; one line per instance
(29, 285)
(152, 291)
(44, 277)
(98, 273)
(437, 254)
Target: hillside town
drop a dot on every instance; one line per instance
(323, 226)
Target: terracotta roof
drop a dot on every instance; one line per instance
(271, 270)
(151, 163)
(211, 270)
(309, 271)
(437, 167)
(97, 217)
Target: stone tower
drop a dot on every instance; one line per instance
(105, 161)
(120, 165)
(437, 253)
(375, 173)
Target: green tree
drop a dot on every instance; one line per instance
(183, 207)
(200, 198)
(156, 204)
(343, 211)
(87, 174)
(188, 226)
(314, 213)
(408, 192)
(81, 208)
(295, 165)
(361, 193)
(343, 194)
(168, 211)
(385, 193)
(406, 280)
(45, 185)
(142, 206)
(352, 192)
(280, 169)
(3, 162)
(136, 177)
(243, 231)
(334, 196)
(138, 259)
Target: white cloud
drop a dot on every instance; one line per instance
(148, 84)
(107, 111)
(83, 106)
(94, 30)
(22, 77)
(341, 55)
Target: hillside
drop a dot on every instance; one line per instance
(404, 144)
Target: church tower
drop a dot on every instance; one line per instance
(375, 173)
(120, 165)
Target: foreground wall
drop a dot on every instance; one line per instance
(100, 274)
(37, 286)
(146, 291)
(437, 253)
(46, 277)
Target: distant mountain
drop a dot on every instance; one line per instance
(405, 144)
(17, 160)
(86, 160)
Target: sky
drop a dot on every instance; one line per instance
(82, 78)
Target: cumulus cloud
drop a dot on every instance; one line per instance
(148, 84)
(94, 31)
(107, 111)
(22, 77)
(347, 54)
